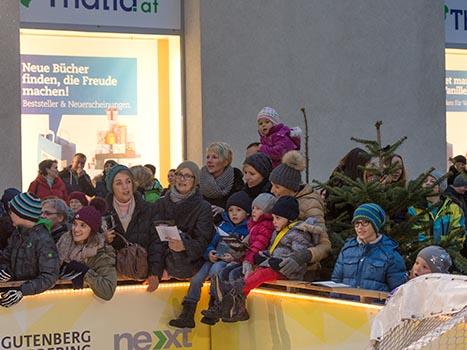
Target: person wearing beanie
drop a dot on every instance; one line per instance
(6, 226)
(134, 219)
(289, 235)
(286, 181)
(260, 229)
(38, 267)
(75, 178)
(77, 200)
(48, 183)
(256, 171)
(276, 139)
(457, 167)
(226, 247)
(440, 216)
(85, 258)
(431, 259)
(457, 192)
(370, 260)
(218, 180)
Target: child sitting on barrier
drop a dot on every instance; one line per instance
(38, 266)
(85, 256)
(289, 236)
(260, 229)
(226, 246)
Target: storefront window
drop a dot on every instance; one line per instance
(107, 95)
(456, 101)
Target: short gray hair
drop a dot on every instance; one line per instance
(59, 205)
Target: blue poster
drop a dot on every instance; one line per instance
(456, 91)
(58, 85)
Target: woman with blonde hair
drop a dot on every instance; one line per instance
(218, 179)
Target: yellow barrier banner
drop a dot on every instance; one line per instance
(77, 320)
(281, 320)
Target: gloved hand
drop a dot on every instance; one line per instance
(73, 269)
(247, 268)
(216, 210)
(296, 260)
(5, 275)
(274, 263)
(10, 297)
(261, 257)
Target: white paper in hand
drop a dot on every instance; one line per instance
(166, 232)
(331, 284)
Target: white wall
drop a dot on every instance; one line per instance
(349, 63)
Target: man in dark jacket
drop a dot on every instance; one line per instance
(457, 191)
(75, 178)
(31, 255)
(6, 226)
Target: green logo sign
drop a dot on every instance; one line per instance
(25, 3)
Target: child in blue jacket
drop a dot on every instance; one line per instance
(221, 251)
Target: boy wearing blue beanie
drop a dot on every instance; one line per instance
(370, 260)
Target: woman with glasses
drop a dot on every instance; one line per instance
(47, 182)
(371, 260)
(56, 211)
(184, 206)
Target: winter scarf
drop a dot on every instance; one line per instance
(216, 187)
(68, 250)
(124, 211)
(176, 196)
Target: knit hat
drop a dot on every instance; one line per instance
(265, 202)
(113, 171)
(286, 207)
(437, 259)
(240, 199)
(261, 162)
(437, 176)
(288, 174)
(27, 206)
(80, 196)
(460, 180)
(269, 114)
(370, 212)
(91, 217)
(8, 195)
(100, 204)
(460, 159)
(188, 164)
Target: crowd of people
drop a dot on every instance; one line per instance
(239, 228)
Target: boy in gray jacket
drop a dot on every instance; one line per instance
(31, 255)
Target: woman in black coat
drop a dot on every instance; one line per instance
(185, 207)
(134, 219)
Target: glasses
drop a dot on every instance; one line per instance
(48, 213)
(362, 223)
(184, 176)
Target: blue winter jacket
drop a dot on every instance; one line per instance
(228, 227)
(375, 266)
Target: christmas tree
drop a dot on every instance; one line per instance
(381, 185)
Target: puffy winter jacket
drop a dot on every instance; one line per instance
(75, 183)
(300, 236)
(376, 266)
(277, 143)
(31, 256)
(260, 236)
(440, 221)
(40, 187)
(140, 230)
(102, 274)
(193, 217)
(229, 227)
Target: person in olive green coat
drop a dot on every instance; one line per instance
(85, 256)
